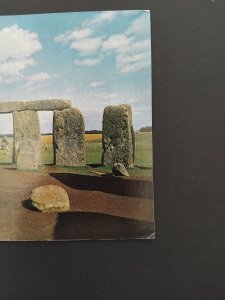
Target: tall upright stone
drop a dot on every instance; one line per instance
(118, 136)
(27, 139)
(68, 132)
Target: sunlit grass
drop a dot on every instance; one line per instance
(93, 150)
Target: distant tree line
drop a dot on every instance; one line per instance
(9, 135)
(146, 129)
(93, 131)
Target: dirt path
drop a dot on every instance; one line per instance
(101, 207)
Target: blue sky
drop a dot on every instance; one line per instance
(93, 58)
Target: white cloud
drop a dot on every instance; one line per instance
(136, 46)
(80, 40)
(116, 42)
(139, 25)
(73, 35)
(102, 17)
(96, 84)
(87, 45)
(130, 47)
(13, 68)
(133, 63)
(17, 45)
(88, 62)
(131, 55)
(37, 78)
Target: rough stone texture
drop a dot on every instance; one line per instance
(27, 134)
(48, 104)
(5, 143)
(118, 136)
(119, 170)
(8, 107)
(68, 131)
(50, 198)
(36, 105)
(27, 157)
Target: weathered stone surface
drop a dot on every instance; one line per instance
(36, 105)
(5, 143)
(27, 157)
(27, 134)
(68, 130)
(118, 136)
(50, 198)
(119, 170)
(48, 104)
(8, 107)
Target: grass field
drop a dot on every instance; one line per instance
(143, 149)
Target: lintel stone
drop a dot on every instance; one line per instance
(34, 105)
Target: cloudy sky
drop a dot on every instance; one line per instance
(93, 58)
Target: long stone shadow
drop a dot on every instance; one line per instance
(107, 184)
(94, 165)
(81, 225)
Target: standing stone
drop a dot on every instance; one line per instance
(68, 132)
(5, 143)
(26, 156)
(27, 139)
(118, 136)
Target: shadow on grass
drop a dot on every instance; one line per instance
(94, 165)
(143, 167)
(107, 184)
(82, 225)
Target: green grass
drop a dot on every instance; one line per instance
(6, 156)
(93, 152)
(47, 155)
(143, 150)
(143, 154)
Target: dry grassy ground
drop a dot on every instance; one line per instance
(93, 145)
(102, 206)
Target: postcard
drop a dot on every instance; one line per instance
(76, 126)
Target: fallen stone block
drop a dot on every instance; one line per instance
(119, 170)
(50, 198)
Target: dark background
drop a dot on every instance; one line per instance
(187, 259)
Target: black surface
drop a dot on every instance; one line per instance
(186, 261)
(80, 225)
